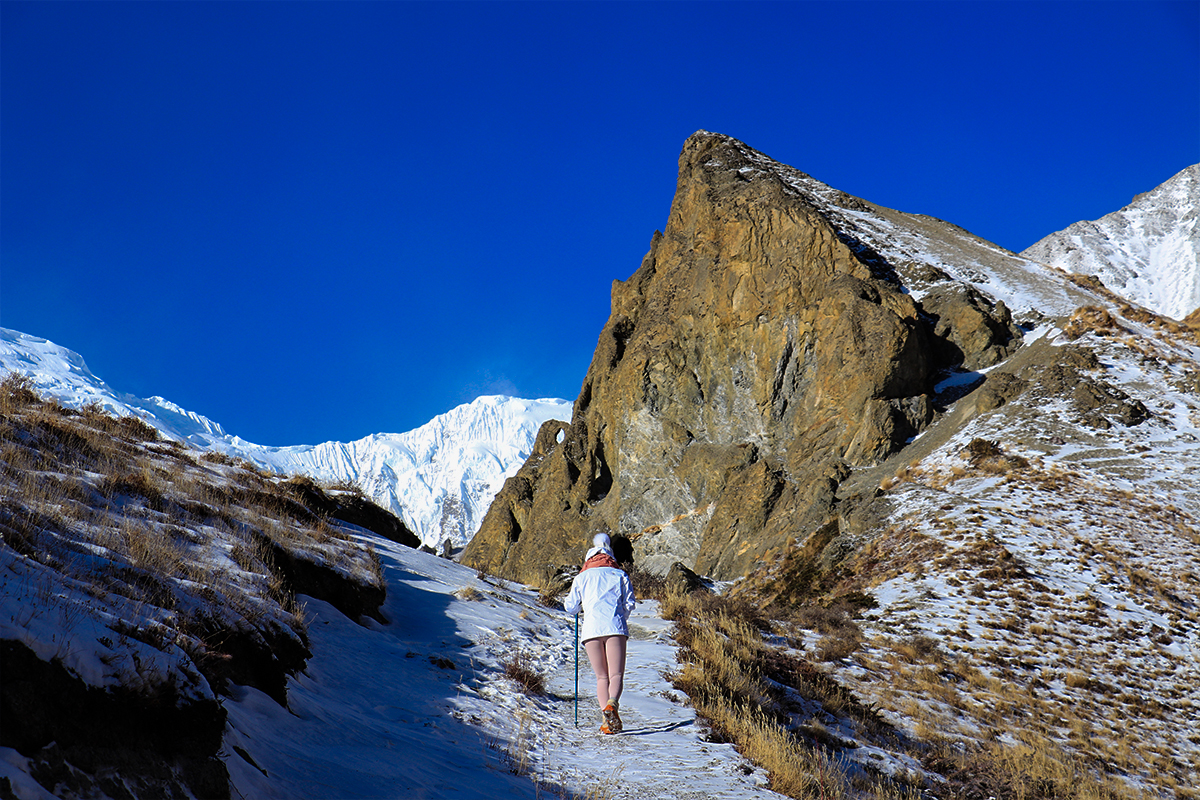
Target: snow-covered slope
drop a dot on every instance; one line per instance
(1148, 252)
(62, 374)
(454, 725)
(421, 706)
(439, 478)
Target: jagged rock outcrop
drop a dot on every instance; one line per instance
(758, 354)
(970, 329)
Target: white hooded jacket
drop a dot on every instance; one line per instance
(605, 595)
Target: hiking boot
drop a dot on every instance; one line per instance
(612, 718)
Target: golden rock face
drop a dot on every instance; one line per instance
(756, 355)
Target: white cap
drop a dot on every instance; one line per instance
(600, 544)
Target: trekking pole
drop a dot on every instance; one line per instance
(576, 670)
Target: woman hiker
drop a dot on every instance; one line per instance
(603, 591)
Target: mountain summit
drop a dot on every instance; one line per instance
(1147, 252)
(765, 348)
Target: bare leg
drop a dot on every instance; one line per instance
(614, 651)
(596, 655)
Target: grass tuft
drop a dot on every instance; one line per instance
(520, 668)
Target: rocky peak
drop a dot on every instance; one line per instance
(760, 352)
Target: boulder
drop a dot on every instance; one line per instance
(681, 580)
(969, 329)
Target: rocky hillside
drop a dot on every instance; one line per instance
(968, 474)
(1148, 252)
(141, 582)
(778, 336)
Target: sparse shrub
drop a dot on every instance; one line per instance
(648, 585)
(823, 619)
(469, 592)
(243, 557)
(1091, 318)
(1077, 680)
(134, 484)
(376, 565)
(138, 429)
(675, 606)
(349, 487)
(839, 645)
(915, 649)
(16, 393)
(980, 449)
(520, 668)
(553, 585)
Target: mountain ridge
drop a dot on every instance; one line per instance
(438, 478)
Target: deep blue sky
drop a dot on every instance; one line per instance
(318, 221)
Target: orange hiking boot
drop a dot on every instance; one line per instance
(612, 718)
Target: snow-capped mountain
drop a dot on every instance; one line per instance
(1147, 252)
(439, 478)
(63, 375)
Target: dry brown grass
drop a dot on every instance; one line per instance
(1092, 319)
(1036, 768)
(1063, 750)
(520, 668)
(16, 393)
(648, 585)
(749, 693)
(796, 770)
(551, 587)
(106, 502)
(469, 592)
